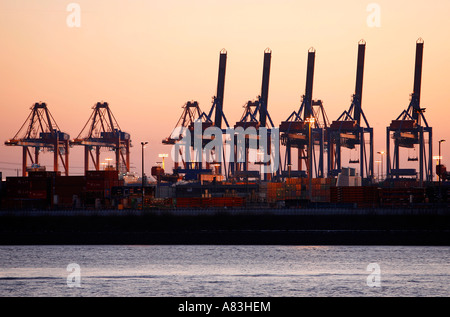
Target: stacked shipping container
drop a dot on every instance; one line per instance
(70, 190)
(298, 188)
(400, 197)
(209, 202)
(50, 189)
(99, 185)
(363, 196)
(104, 189)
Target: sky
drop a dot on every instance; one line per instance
(148, 58)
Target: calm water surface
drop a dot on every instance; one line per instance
(274, 271)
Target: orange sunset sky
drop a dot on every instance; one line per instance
(147, 58)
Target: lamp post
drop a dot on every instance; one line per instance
(143, 174)
(381, 153)
(378, 164)
(310, 120)
(440, 168)
(108, 163)
(439, 159)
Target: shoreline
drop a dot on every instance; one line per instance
(307, 237)
(225, 227)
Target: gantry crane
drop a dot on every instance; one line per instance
(41, 132)
(350, 130)
(305, 131)
(102, 130)
(191, 115)
(409, 130)
(255, 115)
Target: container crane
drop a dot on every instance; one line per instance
(350, 130)
(40, 131)
(192, 114)
(409, 129)
(216, 116)
(305, 131)
(102, 130)
(255, 115)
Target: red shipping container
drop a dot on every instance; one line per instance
(96, 185)
(292, 126)
(107, 174)
(38, 194)
(39, 184)
(343, 125)
(403, 124)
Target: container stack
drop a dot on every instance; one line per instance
(263, 191)
(40, 184)
(18, 187)
(399, 197)
(209, 202)
(298, 189)
(321, 189)
(363, 196)
(99, 185)
(33, 191)
(70, 190)
(401, 183)
(101, 180)
(275, 192)
(294, 188)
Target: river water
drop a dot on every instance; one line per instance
(224, 271)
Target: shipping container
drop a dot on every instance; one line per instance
(209, 202)
(43, 174)
(403, 124)
(38, 194)
(363, 195)
(105, 174)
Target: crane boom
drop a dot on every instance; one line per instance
(265, 87)
(359, 81)
(307, 98)
(220, 89)
(417, 78)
